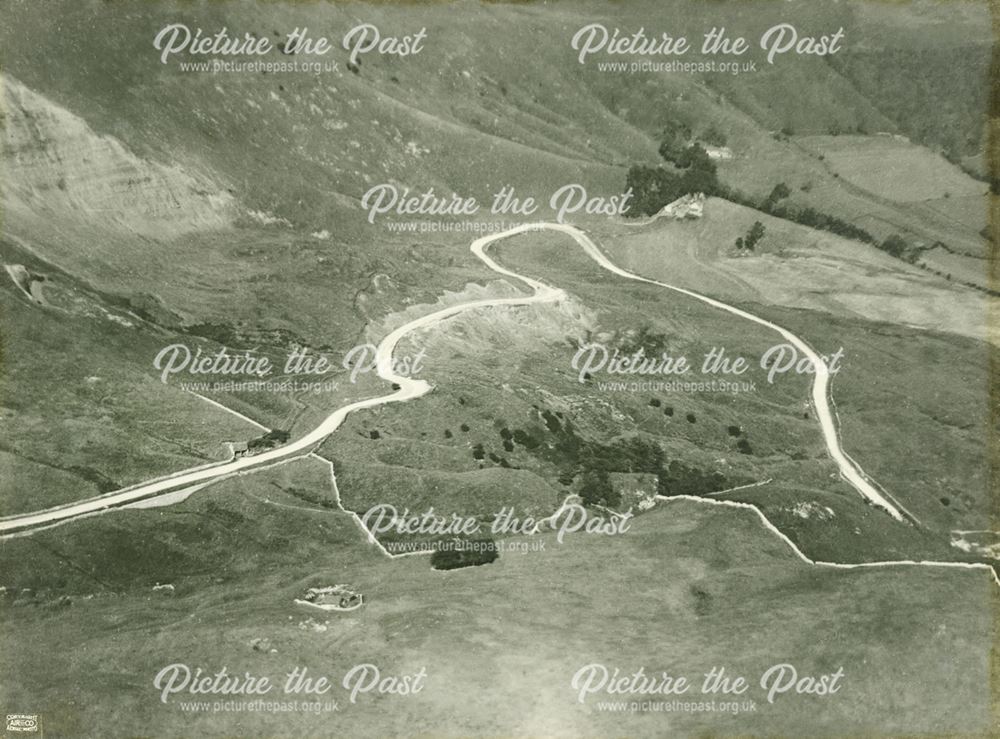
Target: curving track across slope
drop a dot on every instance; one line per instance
(410, 389)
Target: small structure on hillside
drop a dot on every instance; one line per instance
(718, 152)
(332, 598)
(691, 205)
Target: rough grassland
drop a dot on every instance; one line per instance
(688, 587)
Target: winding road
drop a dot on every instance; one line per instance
(412, 388)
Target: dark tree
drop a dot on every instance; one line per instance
(596, 489)
(780, 192)
(894, 245)
(714, 136)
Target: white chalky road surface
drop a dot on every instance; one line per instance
(410, 388)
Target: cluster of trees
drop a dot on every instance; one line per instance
(655, 187)
(678, 478)
(778, 192)
(527, 440)
(639, 455)
(624, 455)
(694, 170)
(677, 139)
(551, 421)
(228, 335)
(691, 170)
(268, 441)
(754, 235)
(652, 188)
(596, 489)
(714, 136)
(531, 439)
(479, 454)
(895, 245)
(592, 462)
(464, 552)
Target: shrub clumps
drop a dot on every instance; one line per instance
(453, 554)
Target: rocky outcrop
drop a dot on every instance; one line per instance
(56, 167)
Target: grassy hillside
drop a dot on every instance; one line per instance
(154, 206)
(795, 266)
(499, 643)
(499, 372)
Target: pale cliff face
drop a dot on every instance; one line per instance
(57, 167)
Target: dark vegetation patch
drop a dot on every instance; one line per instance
(464, 552)
(702, 600)
(230, 335)
(308, 496)
(651, 343)
(590, 462)
(751, 238)
(273, 438)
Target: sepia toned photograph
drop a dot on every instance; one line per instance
(467, 368)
